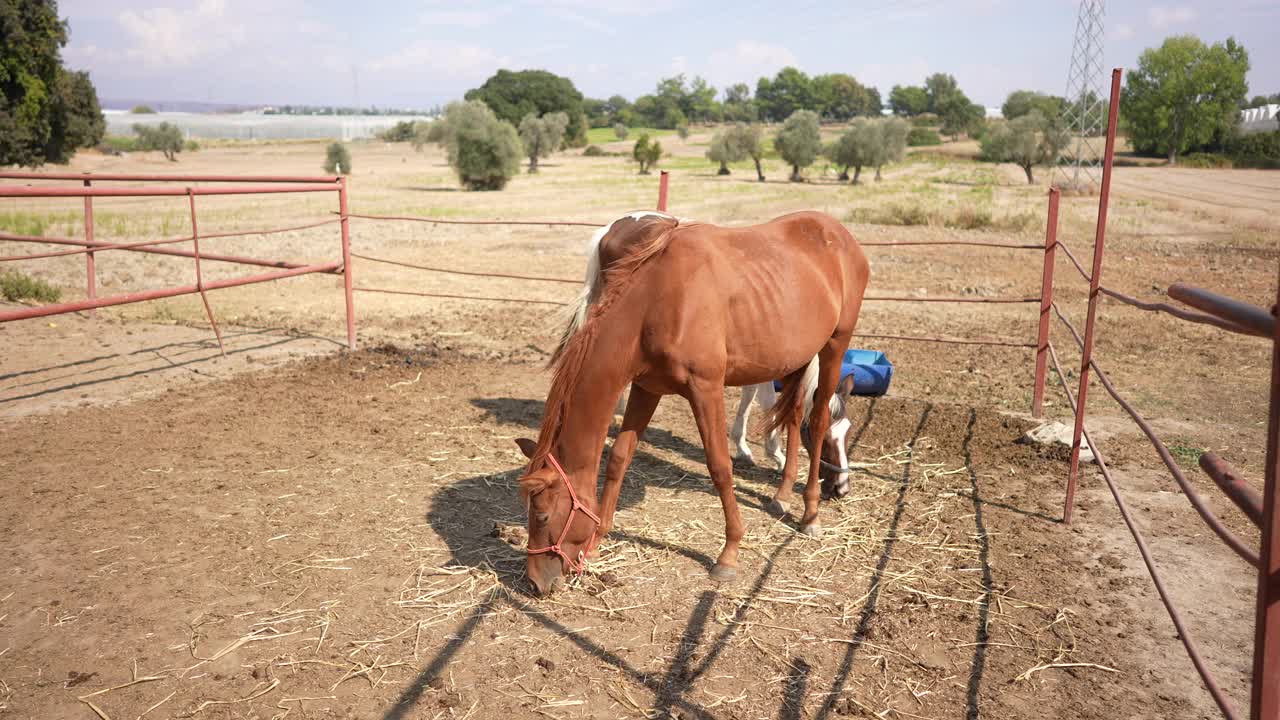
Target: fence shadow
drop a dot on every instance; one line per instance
(868, 611)
(982, 634)
(207, 349)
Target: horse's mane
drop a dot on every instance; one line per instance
(576, 347)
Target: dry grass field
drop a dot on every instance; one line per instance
(296, 531)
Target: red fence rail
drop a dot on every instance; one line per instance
(1226, 314)
(222, 185)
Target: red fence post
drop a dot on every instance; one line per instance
(1095, 279)
(662, 191)
(1266, 642)
(1046, 305)
(91, 284)
(346, 262)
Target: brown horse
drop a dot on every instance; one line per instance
(681, 308)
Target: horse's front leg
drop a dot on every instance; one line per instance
(707, 400)
(639, 411)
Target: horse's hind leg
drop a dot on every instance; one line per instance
(638, 413)
(707, 400)
(819, 419)
(739, 432)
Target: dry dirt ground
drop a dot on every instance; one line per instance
(337, 535)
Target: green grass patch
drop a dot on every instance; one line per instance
(596, 136)
(1186, 455)
(120, 143)
(15, 286)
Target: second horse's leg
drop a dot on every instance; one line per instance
(739, 432)
(819, 419)
(768, 397)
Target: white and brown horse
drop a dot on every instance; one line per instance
(687, 309)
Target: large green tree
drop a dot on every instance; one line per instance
(1184, 95)
(799, 142)
(908, 100)
(45, 112)
(1021, 102)
(839, 96)
(514, 94)
(790, 90)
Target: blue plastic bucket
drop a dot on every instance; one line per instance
(870, 369)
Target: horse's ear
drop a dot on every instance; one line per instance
(846, 385)
(527, 446)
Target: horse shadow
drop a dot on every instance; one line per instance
(470, 514)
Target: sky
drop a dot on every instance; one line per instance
(419, 53)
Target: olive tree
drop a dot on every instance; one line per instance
(165, 137)
(620, 131)
(484, 151)
(725, 149)
(1026, 141)
(542, 135)
(799, 142)
(891, 142)
(646, 153)
(853, 149)
(750, 139)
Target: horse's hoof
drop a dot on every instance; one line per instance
(724, 573)
(775, 507)
(813, 530)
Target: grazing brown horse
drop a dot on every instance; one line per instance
(683, 308)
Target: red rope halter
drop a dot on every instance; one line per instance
(578, 564)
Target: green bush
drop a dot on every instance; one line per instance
(402, 131)
(143, 110)
(1210, 161)
(594, 151)
(919, 137)
(15, 286)
(115, 144)
(621, 131)
(337, 159)
(191, 146)
(1255, 150)
(646, 153)
(926, 120)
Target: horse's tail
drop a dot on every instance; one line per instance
(802, 386)
(796, 386)
(575, 314)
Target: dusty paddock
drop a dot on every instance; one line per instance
(322, 529)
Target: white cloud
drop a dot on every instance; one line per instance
(747, 59)
(1163, 17)
(164, 37)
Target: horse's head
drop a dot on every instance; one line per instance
(834, 470)
(560, 529)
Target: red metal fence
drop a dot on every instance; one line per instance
(1226, 314)
(186, 186)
